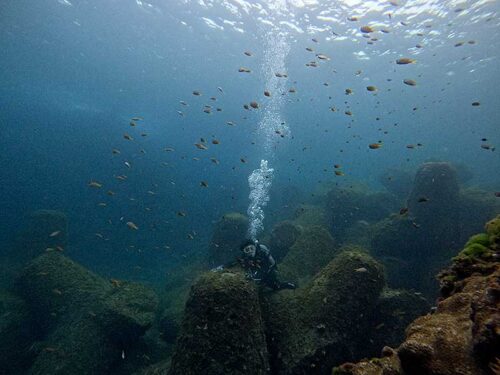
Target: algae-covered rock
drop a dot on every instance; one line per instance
(346, 207)
(311, 251)
(16, 335)
(395, 310)
(310, 215)
(84, 322)
(462, 335)
(435, 192)
(283, 236)
(397, 181)
(325, 322)
(229, 232)
(222, 330)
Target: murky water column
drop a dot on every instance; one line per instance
(274, 75)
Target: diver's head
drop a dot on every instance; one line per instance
(249, 248)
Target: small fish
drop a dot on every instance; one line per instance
(339, 173)
(292, 90)
(127, 164)
(367, 29)
(215, 141)
(361, 269)
(169, 149)
(131, 225)
(410, 82)
(220, 90)
(410, 146)
(403, 211)
(230, 123)
(405, 61)
(375, 146)
(322, 56)
(57, 292)
(136, 119)
(267, 93)
(197, 93)
(244, 70)
(201, 146)
(254, 105)
(248, 53)
(181, 213)
(348, 91)
(214, 160)
(423, 199)
(243, 160)
(123, 354)
(115, 151)
(476, 104)
(371, 88)
(94, 184)
(190, 236)
(56, 233)
(204, 184)
(128, 137)
(121, 177)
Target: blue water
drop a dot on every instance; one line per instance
(74, 73)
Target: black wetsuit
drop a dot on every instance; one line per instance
(262, 268)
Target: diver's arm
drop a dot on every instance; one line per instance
(267, 252)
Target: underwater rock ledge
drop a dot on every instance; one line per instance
(462, 336)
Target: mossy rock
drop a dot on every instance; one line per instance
(228, 234)
(222, 331)
(325, 322)
(312, 250)
(482, 239)
(283, 236)
(83, 321)
(311, 215)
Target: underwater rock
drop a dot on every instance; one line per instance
(397, 181)
(85, 323)
(347, 207)
(283, 236)
(476, 207)
(462, 336)
(434, 195)
(44, 229)
(222, 330)
(325, 322)
(16, 335)
(229, 233)
(310, 215)
(396, 309)
(313, 249)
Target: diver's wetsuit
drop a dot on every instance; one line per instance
(262, 267)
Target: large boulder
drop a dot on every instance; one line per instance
(283, 236)
(222, 331)
(312, 250)
(85, 324)
(228, 234)
(346, 207)
(462, 336)
(397, 181)
(325, 322)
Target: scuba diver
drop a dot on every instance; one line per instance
(259, 265)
